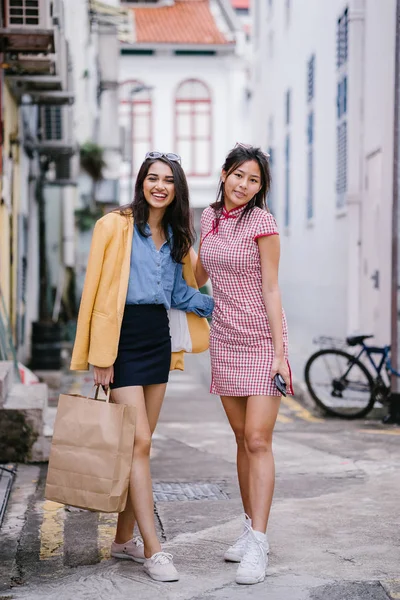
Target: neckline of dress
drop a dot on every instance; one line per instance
(233, 212)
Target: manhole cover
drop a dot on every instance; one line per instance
(171, 492)
(354, 590)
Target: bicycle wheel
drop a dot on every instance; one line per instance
(339, 384)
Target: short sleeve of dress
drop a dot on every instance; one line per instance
(265, 226)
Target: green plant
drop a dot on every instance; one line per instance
(85, 218)
(92, 161)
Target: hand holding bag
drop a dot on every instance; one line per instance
(91, 453)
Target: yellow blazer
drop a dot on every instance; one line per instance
(104, 295)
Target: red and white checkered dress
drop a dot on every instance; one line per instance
(241, 346)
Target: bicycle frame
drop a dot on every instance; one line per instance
(384, 352)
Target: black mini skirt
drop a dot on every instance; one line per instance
(144, 350)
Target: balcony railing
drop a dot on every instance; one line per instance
(43, 76)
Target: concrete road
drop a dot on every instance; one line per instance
(334, 530)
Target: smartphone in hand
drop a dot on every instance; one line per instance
(280, 384)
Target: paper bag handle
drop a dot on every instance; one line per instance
(96, 394)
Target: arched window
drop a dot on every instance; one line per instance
(137, 122)
(193, 127)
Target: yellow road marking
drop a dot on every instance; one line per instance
(383, 431)
(284, 419)
(52, 530)
(106, 533)
(299, 410)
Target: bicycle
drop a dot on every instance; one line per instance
(349, 390)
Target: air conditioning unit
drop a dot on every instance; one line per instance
(52, 123)
(28, 14)
(56, 132)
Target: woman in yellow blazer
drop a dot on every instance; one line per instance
(139, 288)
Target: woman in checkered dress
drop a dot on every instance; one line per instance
(248, 343)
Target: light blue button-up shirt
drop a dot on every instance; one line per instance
(155, 278)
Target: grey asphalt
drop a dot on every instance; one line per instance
(334, 529)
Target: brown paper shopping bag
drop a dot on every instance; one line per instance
(91, 453)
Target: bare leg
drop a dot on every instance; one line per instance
(154, 396)
(141, 492)
(261, 416)
(235, 409)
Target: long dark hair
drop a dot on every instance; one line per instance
(236, 157)
(177, 214)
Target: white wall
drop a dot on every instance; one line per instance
(109, 134)
(378, 96)
(83, 49)
(320, 291)
(226, 78)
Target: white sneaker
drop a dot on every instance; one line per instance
(133, 550)
(253, 566)
(160, 567)
(236, 551)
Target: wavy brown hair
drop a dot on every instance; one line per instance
(177, 215)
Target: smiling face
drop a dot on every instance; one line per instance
(158, 186)
(242, 184)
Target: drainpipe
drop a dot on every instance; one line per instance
(394, 410)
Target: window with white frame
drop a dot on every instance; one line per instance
(310, 136)
(342, 46)
(342, 38)
(136, 117)
(193, 127)
(310, 78)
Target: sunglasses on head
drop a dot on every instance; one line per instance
(170, 156)
(249, 147)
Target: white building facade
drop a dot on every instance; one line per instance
(323, 104)
(95, 30)
(183, 89)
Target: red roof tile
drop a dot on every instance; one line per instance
(185, 22)
(241, 3)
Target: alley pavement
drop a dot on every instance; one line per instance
(334, 528)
